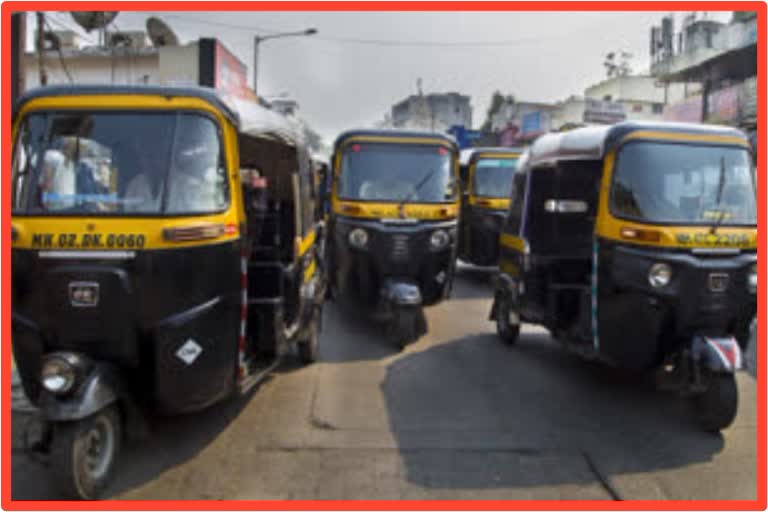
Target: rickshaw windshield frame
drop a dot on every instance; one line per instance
(175, 113)
(725, 223)
(450, 155)
(512, 170)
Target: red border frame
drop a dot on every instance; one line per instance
(335, 5)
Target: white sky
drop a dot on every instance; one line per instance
(342, 84)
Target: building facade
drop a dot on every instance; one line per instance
(433, 112)
(722, 59)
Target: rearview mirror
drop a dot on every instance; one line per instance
(565, 206)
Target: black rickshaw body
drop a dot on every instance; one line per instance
(400, 231)
(486, 179)
(174, 308)
(585, 254)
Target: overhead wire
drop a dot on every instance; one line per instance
(354, 40)
(61, 55)
(65, 26)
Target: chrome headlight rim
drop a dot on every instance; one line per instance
(752, 279)
(659, 275)
(439, 239)
(358, 238)
(58, 375)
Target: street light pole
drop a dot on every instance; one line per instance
(257, 40)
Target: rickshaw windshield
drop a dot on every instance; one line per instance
(684, 184)
(493, 177)
(396, 172)
(118, 163)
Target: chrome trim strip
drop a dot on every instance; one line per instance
(724, 251)
(87, 255)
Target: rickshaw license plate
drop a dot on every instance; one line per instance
(88, 241)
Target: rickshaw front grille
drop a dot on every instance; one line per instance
(399, 247)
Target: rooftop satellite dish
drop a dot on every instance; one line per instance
(91, 20)
(160, 33)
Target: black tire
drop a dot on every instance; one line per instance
(509, 333)
(716, 407)
(309, 347)
(76, 472)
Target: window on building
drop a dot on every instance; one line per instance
(658, 108)
(637, 107)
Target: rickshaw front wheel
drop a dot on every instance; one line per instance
(716, 407)
(83, 453)
(506, 330)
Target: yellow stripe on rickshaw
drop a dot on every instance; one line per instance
(513, 242)
(686, 137)
(492, 203)
(370, 210)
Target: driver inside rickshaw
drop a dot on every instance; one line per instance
(197, 180)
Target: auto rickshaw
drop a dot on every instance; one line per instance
(486, 179)
(163, 259)
(392, 230)
(636, 244)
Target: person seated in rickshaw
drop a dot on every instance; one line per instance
(57, 181)
(197, 182)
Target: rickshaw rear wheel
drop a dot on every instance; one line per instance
(83, 453)
(506, 330)
(309, 347)
(716, 407)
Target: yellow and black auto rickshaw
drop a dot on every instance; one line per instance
(162, 258)
(636, 244)
(486, 179)
(392, 230)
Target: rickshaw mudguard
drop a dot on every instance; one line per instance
(718, 354)
(504, 285)
(100, 388)
(402, 293)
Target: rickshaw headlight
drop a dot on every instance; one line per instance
(358, 238)
(58, 375)
(752, 279)
(660, 275)
(439, 239)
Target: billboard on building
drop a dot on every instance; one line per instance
(603, 112)
(231, 75)
(221, 69)
(688, 110)
(723, 105)
(536, 123)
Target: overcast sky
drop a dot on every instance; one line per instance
(341, 82)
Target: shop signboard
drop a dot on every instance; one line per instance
(603, 112)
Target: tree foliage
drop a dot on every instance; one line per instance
(497, 101)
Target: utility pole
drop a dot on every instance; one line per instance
(40, 44)
(257, 40)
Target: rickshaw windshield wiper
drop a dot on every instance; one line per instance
(720, 187)
(418, 186)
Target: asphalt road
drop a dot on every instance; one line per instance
(457, 415)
